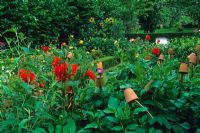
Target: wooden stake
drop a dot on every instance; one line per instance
(143, 107)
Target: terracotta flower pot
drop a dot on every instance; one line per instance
(161, 57)
(100, 81)
(99, 65)
(192, 58)
(170, 51)
(130, 95)
(183, 68)
(191, 55)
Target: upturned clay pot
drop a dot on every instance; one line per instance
(192, 58)
(191, 55)
(170, 51)
(183, 68)
(100, 81)
(161, 57)
(99, 65)
(130, 95)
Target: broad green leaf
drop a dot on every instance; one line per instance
(138, 110)
(112, 119)
(39, 130)
(21, 124)
(70, 127)
(113, 102)
(140, 130)
(58, 129)
(26, 50)
(116, 128)
(91, 125)
(108, 111)
(50, 128)
(185, 125)
(132, 127)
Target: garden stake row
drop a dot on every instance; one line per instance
(130, 96)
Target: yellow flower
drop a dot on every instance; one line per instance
(110, 20)
(107, 20)
(81, 42)
(101, 24)
(91, 19)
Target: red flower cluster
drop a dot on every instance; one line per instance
(148, 38)
(90, 75)
(27, 75)
(56, 61)
(45, 48)
(61, 71)
(156, 51)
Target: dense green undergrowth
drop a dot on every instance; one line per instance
(48, 106)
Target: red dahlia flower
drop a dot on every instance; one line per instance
(60, 72)
(27, 75)
(56, 61)
(148, 38)
(90, 75)
(74, 69)
(156, 51)
(45, 48)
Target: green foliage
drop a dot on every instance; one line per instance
(43, 21)
(184, 46)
